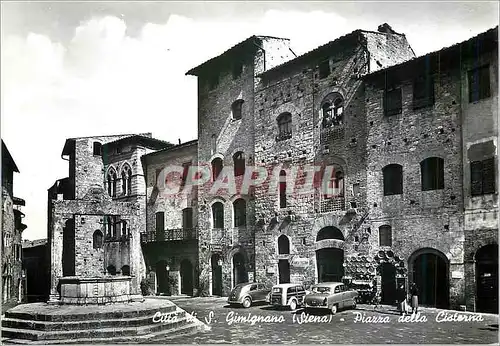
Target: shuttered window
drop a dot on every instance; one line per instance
(483, 177)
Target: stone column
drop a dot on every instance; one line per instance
(56, 269)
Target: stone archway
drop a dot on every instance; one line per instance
(487, 279)
(330, 257)
(240, 274)
(162, 284)
(429, 270)
(216, 264)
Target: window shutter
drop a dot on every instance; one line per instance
(488, 176)
(476, 170)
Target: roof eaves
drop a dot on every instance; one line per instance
(430, 54)
(311, 52)
(195, 70)
(173, 148)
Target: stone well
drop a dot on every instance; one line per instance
(96, 290)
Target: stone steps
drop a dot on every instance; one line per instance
(85, 324)
(162, 335)
(106, 327)
(86, 316)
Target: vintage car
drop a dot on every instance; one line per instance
(331, 296)
(246, 294)
(291, 295)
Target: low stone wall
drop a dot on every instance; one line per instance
(104, 290)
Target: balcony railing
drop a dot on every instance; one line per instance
(332, 204)
(170, 235)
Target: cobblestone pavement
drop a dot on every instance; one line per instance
(341, 328)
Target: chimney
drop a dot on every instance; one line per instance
(386, 28)
(179, 141)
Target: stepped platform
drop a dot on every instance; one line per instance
(152, 319)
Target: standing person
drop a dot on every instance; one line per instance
(401, 294)
(414, 298)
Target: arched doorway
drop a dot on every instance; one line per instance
(68, 253)
(430, 274)
(162, 284)
(186, 277)
(330, 260)
(239, 270)
(487, 279)
(216, 275)
(388, 283)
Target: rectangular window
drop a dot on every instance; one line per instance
(392, 101)
(479, 83)
(423, 92)
(160, 221)
(483, 177)
(324, 69)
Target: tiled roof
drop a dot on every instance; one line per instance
(149, 142)
(173, 147)
(195, 70)
(442, 50)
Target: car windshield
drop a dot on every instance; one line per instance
(321, 289)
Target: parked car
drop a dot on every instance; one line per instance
(331, 296)
(246, 294)
(291, 295)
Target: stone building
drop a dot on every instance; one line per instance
(96, 215)
(170, 244)
(226, 90)
(431, 154)
(12, 228)
(389, 134)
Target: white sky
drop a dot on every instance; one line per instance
(82, 69)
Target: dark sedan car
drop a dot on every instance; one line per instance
(248, 293)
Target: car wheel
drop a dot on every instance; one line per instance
(334, 309)
(293, 305)
(246, 303)
(354, 302)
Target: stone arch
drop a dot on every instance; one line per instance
(429, 269)
(478, 245)
(283, 243)
(329, 232)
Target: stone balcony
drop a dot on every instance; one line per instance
(170, 235)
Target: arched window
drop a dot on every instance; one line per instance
(240, 212)
(111, 270)
(282, 189)
(216, 168)
(218, 214)
(239, 163)
(283, 245)
(126, 270)
(126, 180)
(332, 110)
(236, 109)
(284, 126)
(335, 186)
(97, 239)
(111, 180)
(393, 179)
(385, 235)
(432, 173)
(97, 148)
